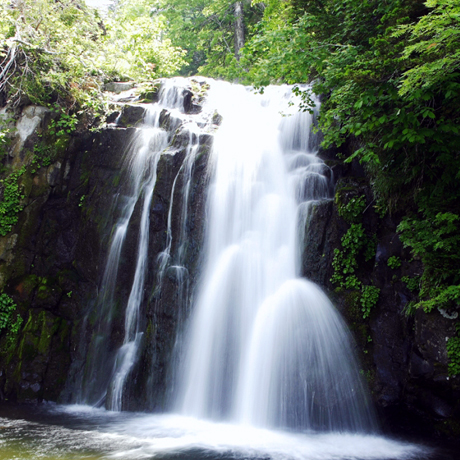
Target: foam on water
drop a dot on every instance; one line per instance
(96, 433)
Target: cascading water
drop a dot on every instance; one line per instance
(263, 346)
(266, 347)
(107, 372)
(184, 173)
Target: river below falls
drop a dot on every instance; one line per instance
(52, 432)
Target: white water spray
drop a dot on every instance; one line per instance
(266, 347)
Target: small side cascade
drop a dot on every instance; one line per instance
(106, 372)
(184, 175)
(143, 153)
(127, 353)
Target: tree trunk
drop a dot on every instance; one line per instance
(239, 29)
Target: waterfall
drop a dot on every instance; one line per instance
(261, 346)
(105, 372)
(265, 347)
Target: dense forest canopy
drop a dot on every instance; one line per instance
(388, 71)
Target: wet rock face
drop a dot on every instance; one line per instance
(130, 115)
(54, 273)
(53, 262)
(169, 292)
(317, 254)
(403, 356)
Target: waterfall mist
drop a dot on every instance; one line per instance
(265, 347)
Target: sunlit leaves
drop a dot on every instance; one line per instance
(206, 30)
(64, 51)
(433, 45)
(134, 45)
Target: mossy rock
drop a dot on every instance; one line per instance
(353, 305)
(48, 293)
(132, 115)
(40, 360)
(37, 334)
(149, 95)
(26, 285)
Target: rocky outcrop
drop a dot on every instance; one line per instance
(403, 352)
(52, 262)
(58, 249)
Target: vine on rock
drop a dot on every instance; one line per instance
(453, 352)
(354, 244)
(10, 204)
(369, 298)
(7, 321)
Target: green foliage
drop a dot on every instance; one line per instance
(63, 51)
(432, 49)
(353, 210)
(7, 307)
(54, 140)
(206, 30)
(442, 297)
(15, 327)
(135, 46)
(453, 352)
(5, 131)
(354, 244)
(43, 155)
(7, 310)
(434, 234)
(64, 124)
(394, 262)
(413, 284)
(10, 204)
(435, 238)
(369, 298)
(3, 141)
(345, 260)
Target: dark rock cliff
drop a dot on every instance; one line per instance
(403, 352)
(52, 262)
(54, 272)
